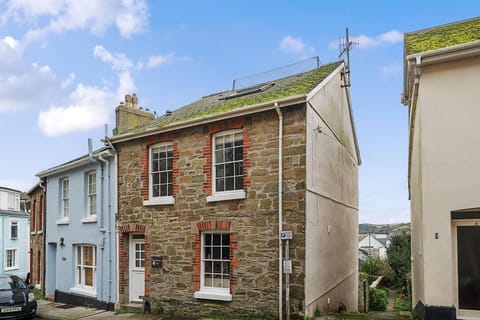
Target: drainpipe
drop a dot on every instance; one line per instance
(117, 238)
(102, 229)
(44, 235)
(280, 208)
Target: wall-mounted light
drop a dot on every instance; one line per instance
(62, 242)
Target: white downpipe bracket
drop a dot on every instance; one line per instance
(280, 209)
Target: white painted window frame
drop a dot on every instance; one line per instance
(160, 200)
(15, 257)
(211, 293)
(224, 195)
(91, 194)
(65, 197)
(80, 286)
(11, 224)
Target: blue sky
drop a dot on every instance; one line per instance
(66, 64)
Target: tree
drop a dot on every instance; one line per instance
(398, 255)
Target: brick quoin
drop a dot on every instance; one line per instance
(217, 225)
(230, 124)
(123, 248)
(148, 142)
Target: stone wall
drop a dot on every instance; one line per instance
(173, 231)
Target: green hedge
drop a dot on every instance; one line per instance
(378, 299)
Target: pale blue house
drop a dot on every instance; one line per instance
(80, 255)
(14, 234)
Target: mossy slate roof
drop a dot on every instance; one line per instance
(225, 101)
(442, 36)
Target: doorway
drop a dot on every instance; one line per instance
(468, 267)
(137, 267)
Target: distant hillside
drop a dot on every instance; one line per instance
(382, 228)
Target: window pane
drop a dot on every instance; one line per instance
(229, 169)
(219, 156)
(228, 154)
(238, 139)
(226, 269)
(229, 184)
(225, 239)
(217, 267)
(208, 266)
(169, 189)
(88, 256)
(239, 168)
(163, 164)
(226, 283)
(216, 239)
(163, 177)
(216, 253)
(89, 277)
(208, 280)
(219, 184)
(225, 253)
(156, 191)
(208, 253)
(163, 190)
(220, 171)
(208, 239)
(219, 143)
(239, 153)
(238, 183)
(228, 141)
(169, 164)
(155, 166)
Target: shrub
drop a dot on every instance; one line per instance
(378, 299)
(402, 304)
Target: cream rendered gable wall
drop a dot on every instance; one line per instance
(331, 201)
(449, 172)
(416, 213)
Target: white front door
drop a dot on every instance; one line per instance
(137, 267)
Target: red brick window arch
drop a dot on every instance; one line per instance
(214, 260)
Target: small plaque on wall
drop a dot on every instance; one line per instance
(157, 262)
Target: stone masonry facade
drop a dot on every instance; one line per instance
(174, 231)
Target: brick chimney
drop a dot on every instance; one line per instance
(129, 116)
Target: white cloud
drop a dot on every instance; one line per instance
(89, 108)
(365, 42)
(57, 16)
(11, 42)
(393, 36)
(292, 45)
(125, 85)
(24, 84)
(160, 60)
(119, 61)
(67, 82)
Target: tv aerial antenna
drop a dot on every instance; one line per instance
(346, 44)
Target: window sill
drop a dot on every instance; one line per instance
(11, 268)
(89, 219)
(159, 201)
(63, 221)
(228, 195)
(221, 296)
(84, 292)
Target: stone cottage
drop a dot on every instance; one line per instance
(245, 201)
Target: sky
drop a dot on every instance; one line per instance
(66, 64)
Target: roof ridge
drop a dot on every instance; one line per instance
(441, 26)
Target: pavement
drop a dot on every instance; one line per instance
(54, 310)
